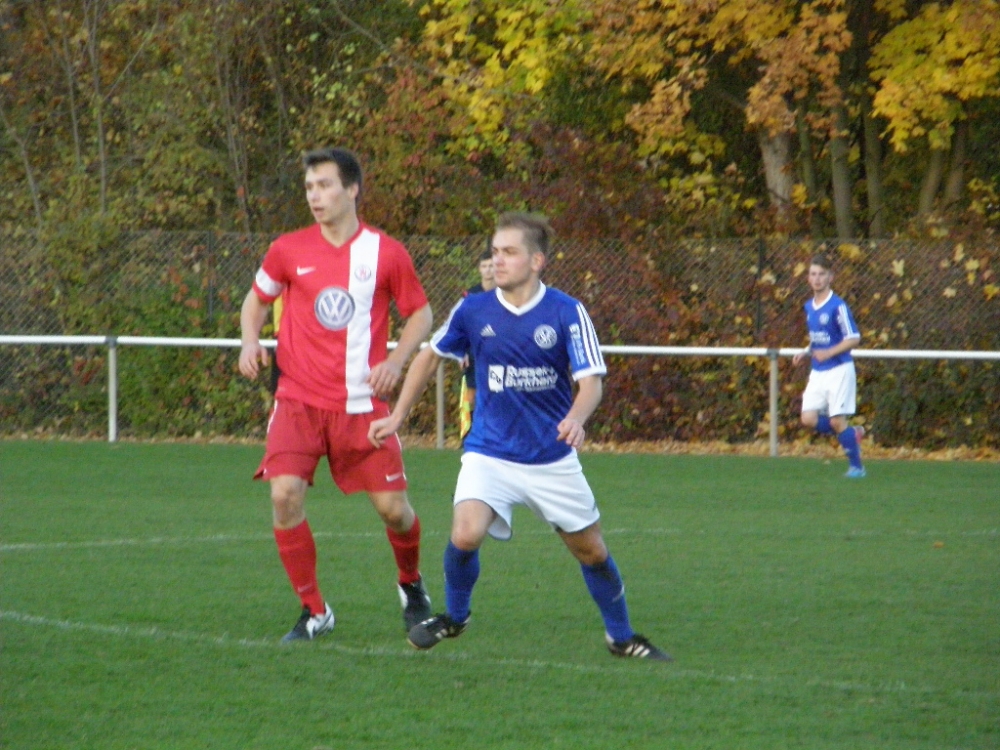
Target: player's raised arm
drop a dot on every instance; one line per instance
(417, 377)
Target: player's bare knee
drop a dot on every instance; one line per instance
(396, 518)
(465, 540)
(465, 535)
(287, 513)
(587, 546)
(394, 510)
(284, 496)
(287, 503)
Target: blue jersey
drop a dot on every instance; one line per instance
(524, 359)
(829, 324)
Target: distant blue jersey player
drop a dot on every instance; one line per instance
(531, 345)
(831, 393)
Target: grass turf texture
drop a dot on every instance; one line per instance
(141, 603)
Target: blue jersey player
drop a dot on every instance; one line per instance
(530, 344)
(831, 392)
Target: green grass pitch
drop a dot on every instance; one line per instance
(141, 603)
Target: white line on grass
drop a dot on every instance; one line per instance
(237, 538)
(157, 540)
(665, 671)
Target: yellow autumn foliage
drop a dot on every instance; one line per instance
(928, 67)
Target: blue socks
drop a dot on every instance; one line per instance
(461, 571)
(848, 440)
(608, 591)
(823, 425)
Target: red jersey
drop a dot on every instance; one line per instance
(335, 312)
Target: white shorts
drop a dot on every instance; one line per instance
(832, 392)
(557, 493)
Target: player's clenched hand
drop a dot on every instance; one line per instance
(384, 377)
(571, 432)
(381, 429)
(251, 357)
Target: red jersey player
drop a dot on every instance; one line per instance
(335, 279)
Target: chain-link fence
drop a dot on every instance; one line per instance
(904, 295)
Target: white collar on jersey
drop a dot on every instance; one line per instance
(529, 305)
(818, 305)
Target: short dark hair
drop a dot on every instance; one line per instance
(347, 164)
(538, 233)
(486, 254)
(822, 260)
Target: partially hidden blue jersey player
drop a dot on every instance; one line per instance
(829, 399)
(530, 344)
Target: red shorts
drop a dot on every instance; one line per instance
(298, 435)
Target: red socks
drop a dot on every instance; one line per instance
(297, 550)
(406, 548)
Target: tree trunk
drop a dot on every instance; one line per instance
(277, 85)
(63, 55)
(776, 152)
(956, 170)
(932, 181)
(230, 103)
(29, 171)
(873, 171)
(840, 174)
(807, 162)
(92, 17)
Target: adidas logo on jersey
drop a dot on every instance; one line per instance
(487, 331)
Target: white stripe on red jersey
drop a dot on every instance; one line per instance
(335, 312)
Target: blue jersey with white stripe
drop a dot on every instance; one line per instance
(524, 359)
(829, 324)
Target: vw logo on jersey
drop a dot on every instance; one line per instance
(334, 308)
(545, 336)
(362, 273)
(824, 319)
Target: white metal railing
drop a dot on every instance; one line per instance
(113, 342)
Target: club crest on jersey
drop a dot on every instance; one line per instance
(334, 308)
(545, 336)
(824, 318)
(362, 273)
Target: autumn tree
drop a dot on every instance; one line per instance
(192, 114)
(172, 115)
(778, 63)
(501, 60)
(929, 69)
(797, 72)
(77, 84)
